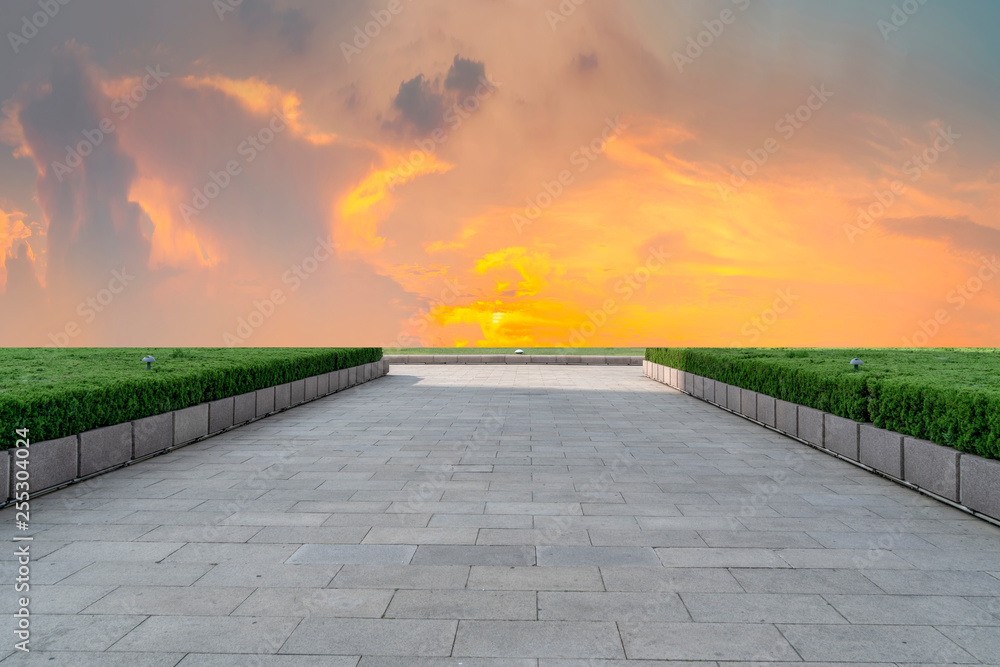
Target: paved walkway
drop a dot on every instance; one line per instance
(502, 515)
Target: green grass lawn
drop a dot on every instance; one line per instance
(948, 395)
(605, 351)
(61, 391)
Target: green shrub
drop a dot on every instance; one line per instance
(60, 392)
(950, 396)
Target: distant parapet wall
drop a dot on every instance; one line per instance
(583, 359)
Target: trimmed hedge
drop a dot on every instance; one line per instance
(100, 394)
(953, 400)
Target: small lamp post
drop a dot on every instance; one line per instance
(856, 363)
(149, 362)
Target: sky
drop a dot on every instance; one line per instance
(499, 173)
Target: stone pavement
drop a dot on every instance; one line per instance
(503, 515)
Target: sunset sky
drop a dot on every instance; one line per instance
(500, 173)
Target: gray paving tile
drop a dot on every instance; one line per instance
(910, 610)
(535, 578)
(63, 599)
(213, 634)
(759, 608)
(928, 582)
(670, 580)
(478, 555)
(254, 574)
(170, 601)
(464, 604)
(138, 574)
(386, 637)
(708, 641)
(548, 639)
(982, 643)
(80, 632)
(382, 661)
(596, 556)
(611, 606)
(402, 576)
(804, 581)
(222, 660)
(93, 659)
(322, 602)
(873, 643)
(353, 554)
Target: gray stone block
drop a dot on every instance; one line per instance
(733, 398)
(980, 484)
(152, 434)
(244, 407)
(311, 384)
(105, 447)
(190, 423)
(52, 462)
(721, 391)
(323, 384)
(5, 458)
(811, 425)
(385, 366)
(683, 379)
(841, 435)
(444, 359)
(672, 376)
(282, 396)
(298, 391)
(882, 450)
(786, 417)
(592, 359)
(343, 379)
(765, 410)
(645, 368)
(420, 359)
(933, 467)
(572, 358)
(352, 376)
(220, 414)
(368, 370)
(618, 361)
(748, 403)
(265, 401)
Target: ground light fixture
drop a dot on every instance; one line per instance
(518, 351)
(856, 363)
(149, 361)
